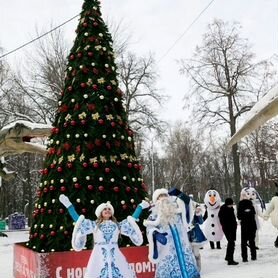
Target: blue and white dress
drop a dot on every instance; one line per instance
(106, 260)
(174, 259)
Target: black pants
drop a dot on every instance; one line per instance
(248, 237)
(217, 244)
(276, 242)
(230, 250)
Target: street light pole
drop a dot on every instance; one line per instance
(152, 165)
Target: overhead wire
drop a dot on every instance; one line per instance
(65, 22)
(185, 31)
(37, 38)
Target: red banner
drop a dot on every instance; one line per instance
(70, 264)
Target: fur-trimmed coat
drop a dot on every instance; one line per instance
(272, 211)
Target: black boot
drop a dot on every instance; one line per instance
(232, 262)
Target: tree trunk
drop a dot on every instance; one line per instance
(235, 154)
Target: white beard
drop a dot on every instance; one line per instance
(166, 212)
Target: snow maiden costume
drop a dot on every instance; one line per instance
(169, 247)
(252, 194)
(106, 260)
(272, 212)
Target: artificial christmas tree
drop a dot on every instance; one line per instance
(91, 155)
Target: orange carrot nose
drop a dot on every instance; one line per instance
(212, 199)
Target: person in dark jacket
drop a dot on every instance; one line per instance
(246, 214)
(229, 225)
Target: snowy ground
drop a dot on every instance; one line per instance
(213, 264)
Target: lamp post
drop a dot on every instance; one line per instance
(152, 163)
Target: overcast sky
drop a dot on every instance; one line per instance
(155, 25)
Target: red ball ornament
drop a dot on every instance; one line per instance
(45, 190)
(61, 210)
(117, 143)
(83, 85)
(118, 162)
(69, 165)
(42, 237)
(52, 165)
(77, 185)
(101, 188)
(51, 187)
(72, 57)
(98, 142)
(60, 169)
(85, 24)
(124, 206)
(70, 88)
(77, 106)
(95, 71)
(108, 146)
(35, 235)
(135, 189)
(83, 122)
(128, 189)
(95, 87)
(91, 107)
(85, 164)
(64, 108)
(42, 210)
(107, 170)
(78, 149)
(63, 189)
(101, 121)
(95, 24)
(92, 39)
(49, 211)
(109, 88)
(90, 54)
(73, 123)
(113, 124)
(79, 54)
(136, 166)
(84, 210)
(65, 124)
(90, 187)
(67, 146)
(129, 165)
(95, 165)
(66, 233)
(130, 132)
(85, 70)
(116, 189)
(51, 151)
(90, 146)
(53, 233)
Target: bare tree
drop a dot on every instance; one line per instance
(137, 79)
(223, 76)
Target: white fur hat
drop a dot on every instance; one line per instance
(158, 192)
(102, 206)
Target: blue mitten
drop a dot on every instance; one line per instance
(160, 237)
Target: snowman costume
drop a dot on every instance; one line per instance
(212, 227)
(252, 194)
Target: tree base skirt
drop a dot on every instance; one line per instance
(71, 264)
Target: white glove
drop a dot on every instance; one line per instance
(65, 200)
(144, 204)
